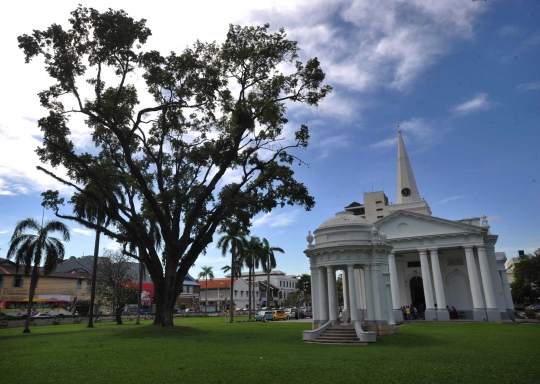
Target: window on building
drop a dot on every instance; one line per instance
(379, 209)
(1, 281)
(89, 284)
(79, 283)
(413, 264)
(191, 289)
(184, 289)
(241, 293)
(18, 282)
(380, 217)
(378, 202)
(235, 293)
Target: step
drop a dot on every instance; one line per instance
(327, 342)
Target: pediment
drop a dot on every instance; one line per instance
(404, 224)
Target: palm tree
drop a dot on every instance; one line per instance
(206, 274)
(86, 208)
(268, 260)
(251, 257)
(31, 248)
(234, 244)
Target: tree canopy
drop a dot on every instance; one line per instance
(526, 284)
(209, 153)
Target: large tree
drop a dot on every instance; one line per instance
(526, 284)
(208, 154)
(31, 249)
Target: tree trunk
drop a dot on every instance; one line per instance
(94, 277)
(139, 305)
(166, 292)
(249, 293)
(231, 311)
(33, 283)
(119, 315)
(268, 283)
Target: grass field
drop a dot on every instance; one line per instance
(210, 351)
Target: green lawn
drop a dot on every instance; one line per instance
(208, 350)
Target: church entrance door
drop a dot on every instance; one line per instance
(417, 293)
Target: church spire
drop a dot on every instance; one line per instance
(407, 191)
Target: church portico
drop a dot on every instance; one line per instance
(351, 246)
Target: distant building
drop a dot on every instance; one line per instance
(188, 298)
(64, 286)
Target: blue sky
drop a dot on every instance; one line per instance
(460, 78)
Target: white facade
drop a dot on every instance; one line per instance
(350, 244)
(435, 264)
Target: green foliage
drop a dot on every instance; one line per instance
(303, 283)
(157, 172)
(526, 284)
(31, 249)
(297, 299)
(530, 314)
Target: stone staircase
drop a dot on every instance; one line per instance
(339, 335)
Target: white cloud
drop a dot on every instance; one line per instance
(274, 220)
(2, 232)
(365, 45)
(384, 144)
(86, 232)
(449, 199)
(478, 102)
(528, 86)
(417, 132)
(112, 245)
(508, 30)
(494, 218)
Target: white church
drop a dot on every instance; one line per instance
(396, 255)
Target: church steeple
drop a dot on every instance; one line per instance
(407, 191)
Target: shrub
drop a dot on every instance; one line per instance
(530, 314)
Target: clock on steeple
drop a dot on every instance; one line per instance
(405, 192)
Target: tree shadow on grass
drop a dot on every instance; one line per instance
(155, 332)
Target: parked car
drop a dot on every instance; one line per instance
(308, 312)
(190, 310)
(279, 315)
(146, 312)
(259, 316)
(42, 314)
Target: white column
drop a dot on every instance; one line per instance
(353, 309)
(507, 294)
(332, 305)
(492, 310)
(315, 299)
(396, 302)
(370, 315)
(426, 279)
(430, 313)
(479, 312)
(442, 312)
(344, 280)
(323, 295)
(376, 277)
